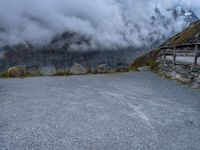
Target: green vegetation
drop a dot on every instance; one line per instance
(164, 75)
(185, 36)
(112, 71)
(17, 71)
(91, 71)
(33, 74)
(148, 59)
(4, 74)
(153, 65)
(61, 72)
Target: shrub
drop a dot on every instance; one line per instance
(4, 74)
(61, 73)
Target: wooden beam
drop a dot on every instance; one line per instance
(196, 54)
(174, 54)
(180, 45)
(185, 50)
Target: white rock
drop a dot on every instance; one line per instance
(48, 71)
(103, 68)
(144, 68)
(77, 69)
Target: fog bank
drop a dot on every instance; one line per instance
(106, 23)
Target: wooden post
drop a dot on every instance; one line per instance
(174, 55)
(164, 51)
(196, 54)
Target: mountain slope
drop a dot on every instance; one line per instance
(70, 47)
(189, 35)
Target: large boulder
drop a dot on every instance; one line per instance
(144, 68)
(48, 71)
(77, 69)
(17, 71)
(103, 68)
(122, 69)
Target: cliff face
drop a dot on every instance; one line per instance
(61, 59)
(61, 54)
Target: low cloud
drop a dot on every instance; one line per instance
(107, 23)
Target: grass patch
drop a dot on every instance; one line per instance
(148, 59)
(33, 74)
(4, 74)
(61, 72)
(185, 36)
(112, 71)
(164, 75)
(153, 65)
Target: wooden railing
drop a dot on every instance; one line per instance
(182, 50)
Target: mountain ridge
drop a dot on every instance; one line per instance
(60, 53)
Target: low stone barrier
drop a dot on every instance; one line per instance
(188, 74)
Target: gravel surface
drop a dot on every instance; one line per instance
(99, 112)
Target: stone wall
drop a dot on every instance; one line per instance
(184, 73)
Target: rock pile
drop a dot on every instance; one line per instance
(77, 69)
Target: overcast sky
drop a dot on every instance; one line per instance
(105, 21)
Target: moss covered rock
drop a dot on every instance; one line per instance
(103, 68)
(122, 69)
(17, 71)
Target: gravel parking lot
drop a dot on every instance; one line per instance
(100, 112)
